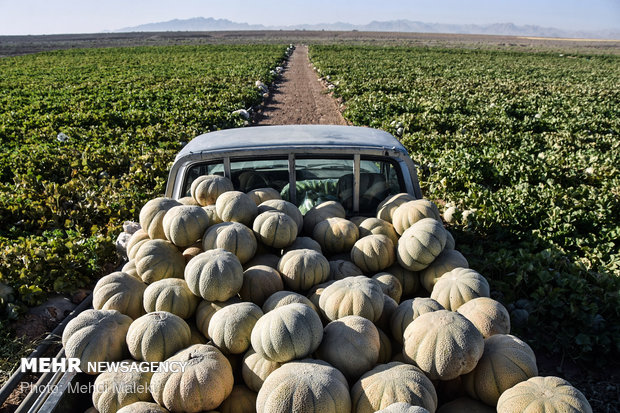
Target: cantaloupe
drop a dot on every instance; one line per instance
(445, 262)
(389, 285)
(156, 336)
(401, 407)
(389, 306)
(335, 235)
(358, 295)
(443, 344)
(130, 268)
(233, 237)
(241, 400)
(286, 207)
(421, 243)
(171, 295)
(121, 292)
(261, 195)
(340, 269)
(269, 260)
(230, 327)
(505, 362)
(235, 206)
(152, 216)
(489, 316)
(458, 286)
(214, 219)
(282, 298)
(385, 348)
(289, 332)
(214, 275)
(275, 229)
(391, 383)
(321, 212)
(114, 390)
(306, 386)
(135, 241)
(351, 344)
(207, 188)
(543, 395)
(184, 224)
(188, 200)
(259, 282)
(255, 369)
(411, 212)
(373, 253)
(409, 280)
(408, 311)
(302, 269)
(386, 208)
(143, 407)
(159, 259)
(191, 252)
(205, 312)
(96, 335)
(302, 243)
(376, 226)
(205, 383)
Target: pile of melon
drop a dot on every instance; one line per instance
(272, 312)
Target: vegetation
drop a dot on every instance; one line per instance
(527, 147)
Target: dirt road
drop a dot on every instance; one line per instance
(299, 98)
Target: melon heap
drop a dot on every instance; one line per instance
(276, 312)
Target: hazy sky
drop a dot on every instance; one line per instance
(85, 16)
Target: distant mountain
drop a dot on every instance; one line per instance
(502, 29)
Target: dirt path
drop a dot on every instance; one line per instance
(299, 98)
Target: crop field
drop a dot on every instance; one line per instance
(529, 146)
(87, 136)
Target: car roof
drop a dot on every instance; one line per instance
(291, 135)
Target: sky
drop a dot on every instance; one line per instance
(88, 16)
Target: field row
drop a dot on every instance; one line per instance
(527, 147)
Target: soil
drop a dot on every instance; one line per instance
(300, 98)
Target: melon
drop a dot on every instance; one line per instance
(420, 244)
(373, 253)
(205, 312)
(335, 235)
(314, 295)
(135, 241)
(391, 383)
(235, 206)
(286, 207)
(130, 268)
(385, 348)
(259, 282)
(387, 207)
(489, 316)
(233, 237)
(505, 362)
(214, 275)
(261, 195)
(241, 400)
(389, 285)
(458, 286)
(156, 336)
(152, 216)
(321, 212)
(376, 226)
(303, 243)
(188, 200)
(184, 224)
(445, 262)
(143, 407)
(543, 395)
(302, 269)
(191, 252)
(408, 311)
(403, 408)
(171, 295)
(114, 390)
(340, 269)
(121, 292)
(214, 219)
(159, 259)
(411, 212)
(275, 229)
(292, 331)
(409, 280)
(351, 344)
(206, 382)
(197, 336)
(443, 344)
(230, 327)
(207, 188)
(358, 295)
(96, 335)
(389, 306)
(306, 386)
(269, 260)
(255, 369)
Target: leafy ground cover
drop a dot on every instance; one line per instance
(88, 135)
(528, 145)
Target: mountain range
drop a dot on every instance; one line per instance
(502, 29)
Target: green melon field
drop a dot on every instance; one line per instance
(525, 145)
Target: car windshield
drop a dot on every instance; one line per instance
(317, 179)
